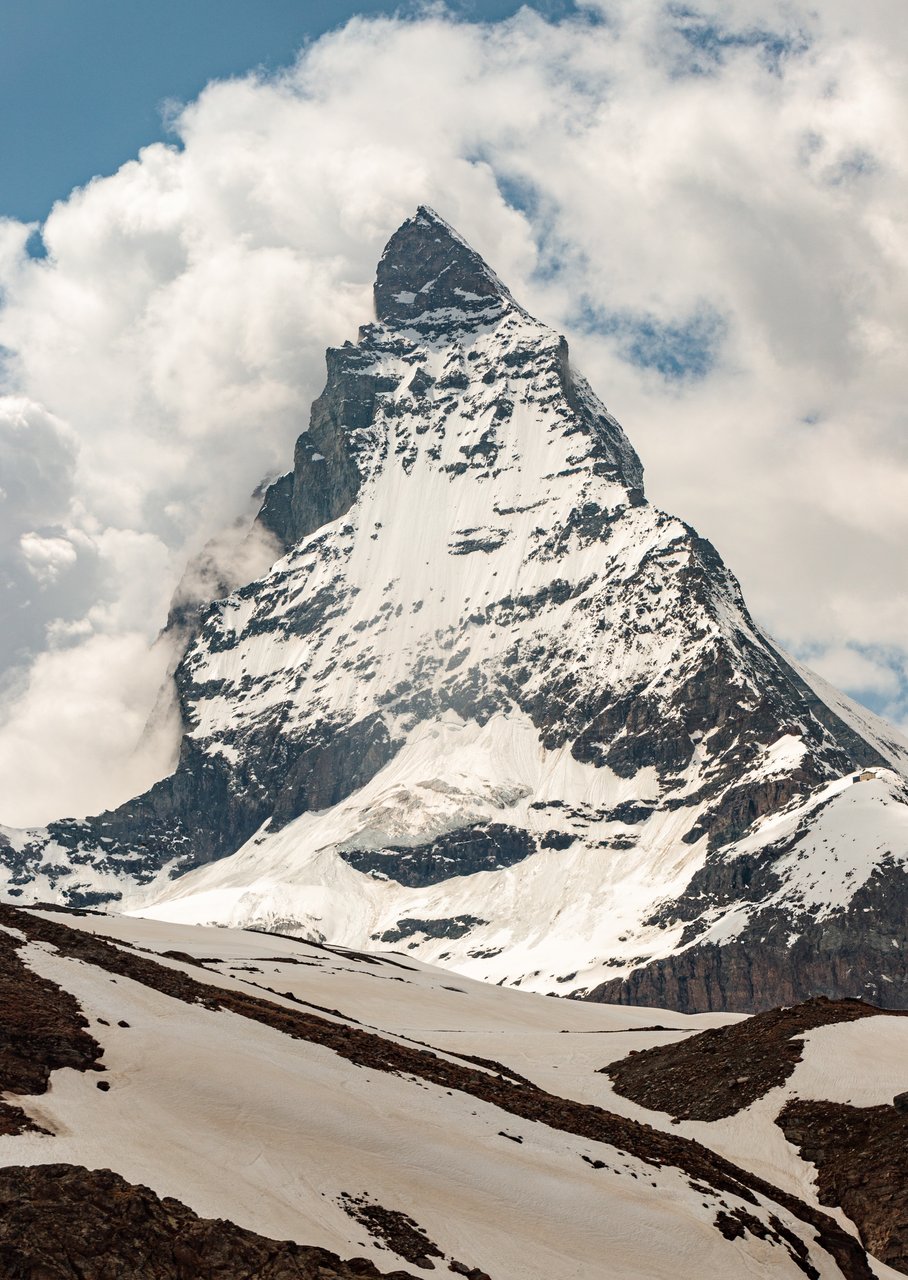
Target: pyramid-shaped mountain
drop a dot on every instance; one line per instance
(493, 707)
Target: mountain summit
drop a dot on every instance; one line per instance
(428, 276)
(494, 707)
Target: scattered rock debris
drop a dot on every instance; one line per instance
(64, 1222)
(396, 1230)
(738, 1223)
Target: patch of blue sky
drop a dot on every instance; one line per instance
(491, 10)
(893, 708)
(35, 246)
(522, 194)
(86, 84)
(876, 676)
(849, 167)
(857, 164)
(587, 10)
(7, 360)
(709, 43)
(682, 350)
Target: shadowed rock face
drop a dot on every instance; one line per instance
(858, 953)
(861, 1158)
(461, 852)
(454, 445)
(427, 270)
(325, 478)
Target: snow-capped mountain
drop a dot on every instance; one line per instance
(494, 707)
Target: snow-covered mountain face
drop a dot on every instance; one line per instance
(493, 706)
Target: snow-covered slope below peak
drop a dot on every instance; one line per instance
(534, 816)
(388, 988)
(381, 868)
(287, 1116)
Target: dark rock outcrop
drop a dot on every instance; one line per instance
(325, 476)
(724, 1069)
(427, 270)
(396, 1230)
(861, 1158)
(860, 952)
(42, 1029)
(450, 927)
(457, 853)
(65, 1222)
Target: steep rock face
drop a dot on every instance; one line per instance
(489, 682)
(861, 1158)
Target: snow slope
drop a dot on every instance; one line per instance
(240, 1121)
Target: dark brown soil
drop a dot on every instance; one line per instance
(63, 1222)
(41, 1029)
(399, 1232)
(371, 1050)
(720, 1071)
(861, 1157)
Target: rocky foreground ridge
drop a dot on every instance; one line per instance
(494, 708)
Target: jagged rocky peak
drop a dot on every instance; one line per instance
(450, 337)
(428, 270)
(493, 705)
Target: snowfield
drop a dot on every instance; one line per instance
(242, 1122)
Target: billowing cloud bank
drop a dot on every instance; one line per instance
(709, 200)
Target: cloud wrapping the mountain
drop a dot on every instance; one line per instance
(708, 200)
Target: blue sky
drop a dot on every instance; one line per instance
(82, 82)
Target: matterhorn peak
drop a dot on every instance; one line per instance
(428, 273)
(493, 706)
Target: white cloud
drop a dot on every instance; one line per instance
(849, 668)
(722, 193)
(101, 692)
(47, 558)
(37, 465)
